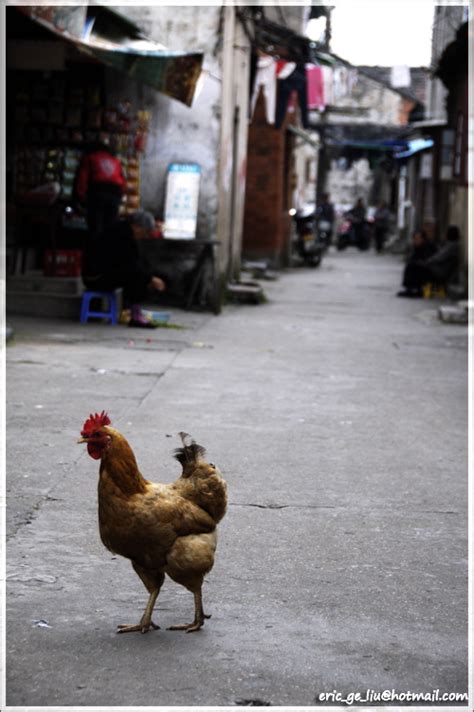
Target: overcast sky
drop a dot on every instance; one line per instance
(383, 32)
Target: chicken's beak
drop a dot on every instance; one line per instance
(82, 440)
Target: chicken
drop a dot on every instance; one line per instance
(162, 528)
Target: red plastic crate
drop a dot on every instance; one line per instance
(62, 263)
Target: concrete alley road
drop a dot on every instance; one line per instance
(338, 415)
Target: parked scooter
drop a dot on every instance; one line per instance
(307, 244)
(324, 233)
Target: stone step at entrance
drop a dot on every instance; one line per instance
(36, 295)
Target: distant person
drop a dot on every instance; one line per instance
(358, 215)
(381, 225)
(325, 213)
(112, 260)
(424, 266)
(99, 186)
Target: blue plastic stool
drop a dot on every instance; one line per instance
(110, 313)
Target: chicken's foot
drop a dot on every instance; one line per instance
(143, 627)
(199, 616)
(145, 622)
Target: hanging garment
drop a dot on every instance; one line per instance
(252, 78)
(284, 68)
(343, 79)
(352, 77)
(328, 85)
(266, 78)
(337, 84)
(295, 82)
(315, 85)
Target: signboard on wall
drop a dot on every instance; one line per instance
(181, 205)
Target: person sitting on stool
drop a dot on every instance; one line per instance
(438, 268)
(111, 260)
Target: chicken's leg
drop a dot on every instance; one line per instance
(199, 615)
(153, 584)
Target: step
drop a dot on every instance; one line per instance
(245, 293)
(453, 314)
(38, 283)
(45, 304)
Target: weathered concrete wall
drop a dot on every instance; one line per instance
(240, 110)
(346, 185)
(375, 103)
(213, 132)
(294, 18)
(233, 142)
(179, 133)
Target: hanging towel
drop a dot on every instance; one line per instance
(315, 85)
(328, 85)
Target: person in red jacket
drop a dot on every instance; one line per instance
(100, 185)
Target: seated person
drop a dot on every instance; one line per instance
(111, 260)
(423, 267)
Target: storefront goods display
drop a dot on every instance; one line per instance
(55, 122)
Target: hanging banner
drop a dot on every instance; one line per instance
(181, 205)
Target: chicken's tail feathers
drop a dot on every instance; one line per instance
(191, 452)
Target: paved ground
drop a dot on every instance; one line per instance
(338, 414)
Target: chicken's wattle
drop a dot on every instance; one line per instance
(95, 450)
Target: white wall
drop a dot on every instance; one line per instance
(177, 132)
(210, 132)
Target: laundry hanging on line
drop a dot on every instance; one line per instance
(265, 79)
(295, 82)
(314, 86)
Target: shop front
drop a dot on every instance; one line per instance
(65, 67)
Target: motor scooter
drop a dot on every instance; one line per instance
(308, 247)
(324, 232)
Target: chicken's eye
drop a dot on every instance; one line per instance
(211, 464)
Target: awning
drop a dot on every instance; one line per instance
(120, 44)
(389, 145)
(414, 146)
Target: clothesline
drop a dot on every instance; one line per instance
(316, 86)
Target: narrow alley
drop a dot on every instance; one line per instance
(338, 416)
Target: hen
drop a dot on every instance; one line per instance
(163, 529)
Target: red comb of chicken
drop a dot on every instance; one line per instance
(94, 423)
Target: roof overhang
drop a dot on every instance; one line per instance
(279, 41)
(428, 124)
(388, 146)
(120, 44)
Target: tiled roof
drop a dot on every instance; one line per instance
(419, 80)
